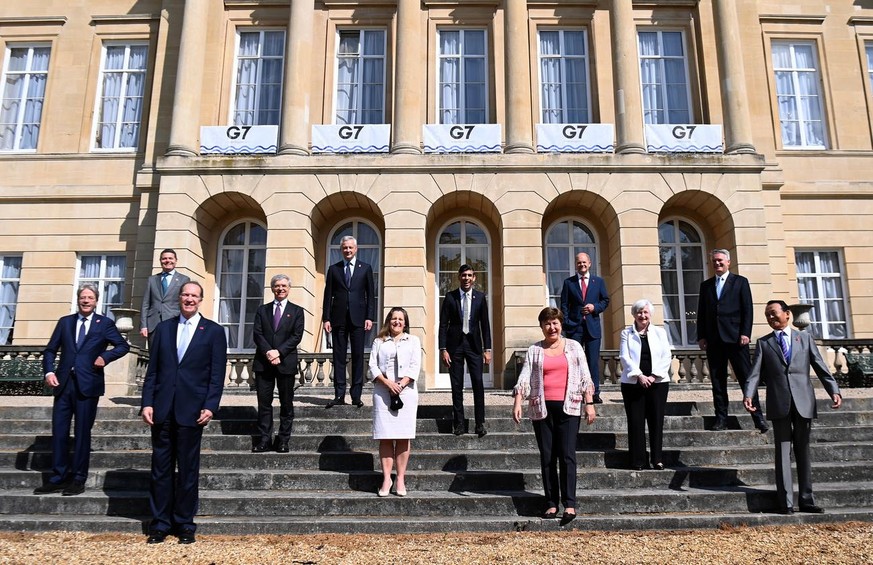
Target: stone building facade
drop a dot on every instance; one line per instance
(104, 164)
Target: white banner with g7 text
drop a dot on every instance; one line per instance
(575, 138)
(238, 140)
(461, 138)
(352, 138)
(684, 138)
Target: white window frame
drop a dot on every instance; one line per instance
(100, 281)
(563, 61)
(22, 99)
(572, 249)
(802, 120)
(10, 329)
(241, 326)
(819, 314)
(232, 117)
(118, 119)
(360, 57)
(462, 79)
(662, 76)
(682, 293)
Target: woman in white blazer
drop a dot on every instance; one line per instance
(395, 362)
(645, 379)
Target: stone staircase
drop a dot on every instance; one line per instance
(328, 482)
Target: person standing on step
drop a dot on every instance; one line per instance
(277, 331)
(180, 396)
(583, 298)
(160, 301)
(783, 359)
(348, 312)
(724, 324)
(555, 383)
(465, 337)
(395, 364)
(77, 384)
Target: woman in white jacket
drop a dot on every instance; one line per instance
(645, 379)
(395, 362)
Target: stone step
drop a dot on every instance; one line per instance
(425, 480)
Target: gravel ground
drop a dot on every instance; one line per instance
(823, 544)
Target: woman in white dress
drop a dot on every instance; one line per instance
(395, 362)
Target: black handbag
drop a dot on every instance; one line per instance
(396, 403)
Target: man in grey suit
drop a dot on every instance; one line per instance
(784, 358)
(160, 301)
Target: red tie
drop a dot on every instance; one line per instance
(584, 287)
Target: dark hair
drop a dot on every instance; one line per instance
(781, 304)
(197, 284)
(464, 268)
(548, 314)
(168, 250)
(386, 328)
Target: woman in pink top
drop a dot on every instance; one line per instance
(555, 381)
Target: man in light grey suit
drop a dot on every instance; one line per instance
(160, 301)
(784, 358)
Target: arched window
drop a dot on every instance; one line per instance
(681, 250)
(564, 240)
(242, 259)
(370, 252)
(463, 242)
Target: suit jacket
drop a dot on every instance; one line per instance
(101, 333)
(724, 320)
(284, 339)
(451, 329)
(358, 299)
(787, 382)
(185, 387)
(158, 306)
(571, 305)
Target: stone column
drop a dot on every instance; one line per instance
(519, 130)
(737, 121)
(294, 133)
(626, 68)
(184, 129)
(408, 82)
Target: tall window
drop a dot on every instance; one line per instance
(10, 276)
(869, 47)
(120, 100)
(242, 260)
(260, 61)
(820, 283)
(801, 111)
(463, 67)
(25, 73)
(664, 74)
(463, 242)
(370, 252)
(564, 241)
(107, 273)
(681, 251)
(360, 82)
(564, 76)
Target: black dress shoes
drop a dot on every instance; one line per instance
(811, 509)
(458, 430)
(786, 511)
(357, 403)
(262, 447)
(157, 537)
(74, 488)
(480, 430)
(335, 402)
(50, 488)
(187, 537)
(719, 426)
(550, 514)
(282, 446)
(763, 428)
(596, 400)
(567, 517)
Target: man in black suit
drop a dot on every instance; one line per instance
(160, 301)
(77, 384)
(724, 324)
(180, 395)
(277, 331)
(348, 312)
(465, 336)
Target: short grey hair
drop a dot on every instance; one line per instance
(724, 252)
(279, 278)
(640, 304)
(88, 286)
(348, 237)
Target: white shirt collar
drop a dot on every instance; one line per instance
(193, 320)
(281, 303)
(787, 331)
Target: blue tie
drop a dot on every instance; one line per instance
(348, 274)
(81, 339)
(165, 283)
(781, 335)
(183, 340)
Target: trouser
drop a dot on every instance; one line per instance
(343, 335)
(70, 404)
(793, 430)
(467, 352)
(645, 406)
(556, 439)
(265, 383)
(718, 355)
(174, 496)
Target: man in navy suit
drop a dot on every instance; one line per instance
(583, 298)
(277, 332)
(160, 301)
(465, 336)
(180, 395)
(77, 383)
(724, 324)
(348, 312)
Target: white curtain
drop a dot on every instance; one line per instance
(246, 79)
(348, 67)
(113, 80)
(664, 78)
(373, 94)
(797, 89)
(10, 275)
(19, 73)
(550, 77)
(450, 77)
(649, 76)
(124, 70)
